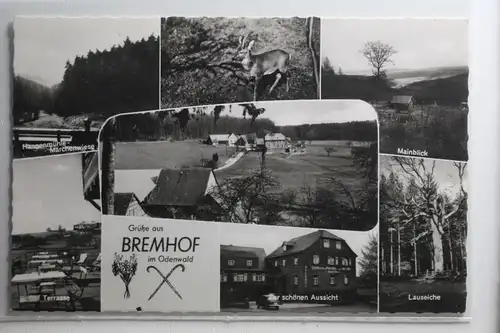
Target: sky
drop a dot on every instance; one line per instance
(421, 43)
(271, 237)
(43, 45)
(445, 172)
(48, 192)
(291, 113)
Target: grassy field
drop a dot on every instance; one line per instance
(293, 171)
(164, 154)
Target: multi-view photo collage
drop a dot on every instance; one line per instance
(254, 166)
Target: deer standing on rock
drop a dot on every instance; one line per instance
(265, 63)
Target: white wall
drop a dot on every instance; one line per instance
(484, 128)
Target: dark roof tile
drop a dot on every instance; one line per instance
(179, 187)
(301, 243)
(245, 252)
(122, 202)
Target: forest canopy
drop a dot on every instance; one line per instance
(101, 83)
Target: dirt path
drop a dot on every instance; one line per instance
(231, 161)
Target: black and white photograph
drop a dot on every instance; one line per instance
(214, 60)
(72, 73)
(287, 163)
(279, 270)
(56, 235)
(414, 72)
(423, 235)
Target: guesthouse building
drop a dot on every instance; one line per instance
(318, 263)
(242, 272)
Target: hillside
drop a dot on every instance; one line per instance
(105, 82)
(429, 73)
(449, 91)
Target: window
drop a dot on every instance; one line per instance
(241, 277)
(332, 280)
(249, 263)
(338, 245)
(350, 261)
(316, 280)
(316, 259)
(336, 260)
(296, 280)
(326, 243)
(346, 280)
(295, 261)
(223, 277)
(345, 262)
(284, 262)
(331, 261)
(230, 262)
(276, 263)
(258, 277)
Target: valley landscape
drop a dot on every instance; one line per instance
(420, 94)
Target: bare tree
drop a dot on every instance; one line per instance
(429, 203)
(246, 199)
(378, 55)
(329, 150)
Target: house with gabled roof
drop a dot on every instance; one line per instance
(319, 262)
(218, 139)
(276, 141)
(185, 193)
(402, 102)
(242, 272)
(128, 204)
(247, 140)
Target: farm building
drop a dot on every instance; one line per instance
(260, 144)
(402, 103)
(128, 204)
(316, 263)
(87, 226)
(276, 141)
(242, 272)
(247, 140)
(222, 139)
(218, 139)
(183, 194)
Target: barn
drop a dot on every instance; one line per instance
(402, 102)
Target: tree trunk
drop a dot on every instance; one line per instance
(437, 242)
(415, 250)
(108, 168)
(450, 250)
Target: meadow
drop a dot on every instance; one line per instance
(313, 167)
(167, 155)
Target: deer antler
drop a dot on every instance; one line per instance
(243, 40)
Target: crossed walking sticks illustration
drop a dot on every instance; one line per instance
(165, 279)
